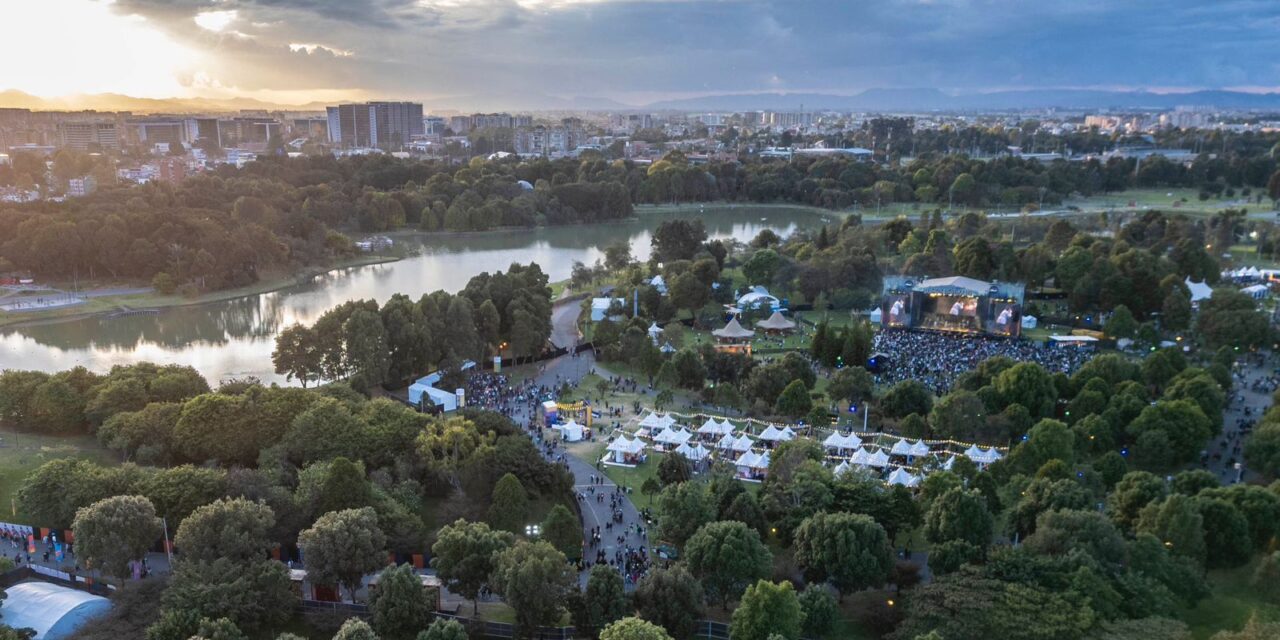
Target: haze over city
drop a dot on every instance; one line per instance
(598, 53)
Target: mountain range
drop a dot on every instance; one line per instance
(922, 99)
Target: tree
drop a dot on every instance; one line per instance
(562, 529)
(726, 557)
(218, 629)
(1175, 521)
(254, 594)
(367, 354)
(463, 556)
(682, 509)
(851, 384)
(444, 629)
(535, 580)
(674, 469)
(1232, 318)
(633, 629)
(974, 258)
(960, 515)
(1262, 449)
(509, 510)
(768, 611)
(1253, 630)
(794, 400)
(355, 629)
(603, 602)
(342, 546)
(688, 292)
(1266, 578)
(905, 398)
(400, 605)
(296, 354)
(677, 239)
(233, 529)
(1261, 508)
(670, 598)
(1121, 324)
(851, 551)
(1135, 491)
(1061, 532)
(1184, 425)
(1227, 531)
(820, 611)
(761, 266)
(116, 531)
(959, 415)
(1175, 311)
(1029, 385)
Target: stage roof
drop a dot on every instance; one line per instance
(956, 286)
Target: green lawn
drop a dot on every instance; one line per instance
(1231, 605)
(22, 453)
(634, 478)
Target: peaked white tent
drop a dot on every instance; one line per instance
(743, 443)
(694, 453)
(901, 448)
(713, 428)
(919, 448)
(655, 421)
(672, 437)
(982, 456)
(903, 477)
(774, 434)
(840, 441)
(842, 468)
(1199, 290)
(726, 442)
(570, 431)
(864, 458)
(878, 459)
(624, 450)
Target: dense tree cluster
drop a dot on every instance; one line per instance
(370, 345)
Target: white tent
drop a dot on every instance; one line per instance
(727, 442)
(919, 448)
(1257, 291)
(839, 441)
(982, 456)
(694, 453)
(54, 612)
(878, 459)
(864, 458)
(901, 448)
(672, 437)
(747, 461)
(877, 315)
(903, 477)
(949, 463)
(657, 421)
(570, 431)
(1029, 322)
(842, 468)
(654, 332)
(623, 449)
(774, 434)
(743, 443)
(757, 297)
(713, 428)
(1199, 290)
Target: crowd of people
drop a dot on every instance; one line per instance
(938, 359)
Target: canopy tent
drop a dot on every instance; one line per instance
(733, 331)
(903, 477)
(757, 297)
(626, 451)
(919, 448)
(1199, 290)
(726, 442)
(901, 448)
(657, 421)
(840, 441)
(570, 431)
(752, 461)
(713, 428)
(694, 453)
(776, 322)
(876, 315)
(864, 458)
(949, 463)
(982, 456)
(842, 468)
(743, 443)
(1257, 291)
(774, 434)
(654, 332)
(672, 437)
(54, 612)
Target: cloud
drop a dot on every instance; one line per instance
(426, 48)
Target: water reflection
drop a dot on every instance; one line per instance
(235, 337)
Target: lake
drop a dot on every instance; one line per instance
(234, 338)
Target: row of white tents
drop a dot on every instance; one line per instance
(849, 448)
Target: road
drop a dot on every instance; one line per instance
(564, 324)
(1254, 381)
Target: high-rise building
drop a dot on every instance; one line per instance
(375, 124)
(159, 131)
(89, 136)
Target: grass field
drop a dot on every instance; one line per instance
(1231, 604)
(22, 453)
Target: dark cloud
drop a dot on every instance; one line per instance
(427, 48)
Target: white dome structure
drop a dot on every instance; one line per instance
(54, 612)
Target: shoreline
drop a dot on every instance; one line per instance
(154, 301)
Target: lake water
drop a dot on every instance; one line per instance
(235, 338)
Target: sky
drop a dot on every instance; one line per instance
(632, 51)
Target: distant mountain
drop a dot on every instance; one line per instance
(524, 102)
(935, 100)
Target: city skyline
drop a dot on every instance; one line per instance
(634, 53)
